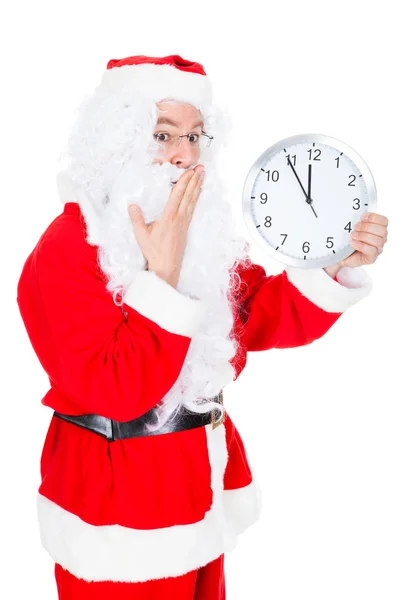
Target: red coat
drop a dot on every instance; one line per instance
(156, 506)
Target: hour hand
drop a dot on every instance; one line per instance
(308, 198)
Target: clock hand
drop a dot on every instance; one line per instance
(296, 175)
(309, 199)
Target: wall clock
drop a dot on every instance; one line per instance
(302, 198)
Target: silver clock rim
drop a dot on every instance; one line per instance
(252, 175)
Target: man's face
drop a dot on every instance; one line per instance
(178, 119)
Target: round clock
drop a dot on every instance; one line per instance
(302, 198)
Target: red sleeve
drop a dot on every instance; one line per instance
(295, 307)
(106, 362)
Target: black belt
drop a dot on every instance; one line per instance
(119, 430)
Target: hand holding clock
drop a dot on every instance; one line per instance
(368, 238)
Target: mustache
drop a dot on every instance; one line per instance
(170, 172)
(175, 180)
(144, 183)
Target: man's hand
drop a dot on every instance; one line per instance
(368, 238)
(163, 242)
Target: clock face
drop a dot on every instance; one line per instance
(302, 198)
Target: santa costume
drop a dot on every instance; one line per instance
(145, 480)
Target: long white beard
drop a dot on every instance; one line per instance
(212, 250)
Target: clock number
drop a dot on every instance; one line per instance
(285, 234)
(357, 200)
(305, 247)
(337, 159)
(291, 157)
(316, 150)
(275, 175)
(329, 241)
(352, 180)
(268, 223)
(348, 227)
(263, 197)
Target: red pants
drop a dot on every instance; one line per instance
(205, 583)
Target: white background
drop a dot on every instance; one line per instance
(329, 428)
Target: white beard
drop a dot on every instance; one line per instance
(212, 250)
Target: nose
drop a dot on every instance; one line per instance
(184, 155)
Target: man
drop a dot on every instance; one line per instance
(140, 318)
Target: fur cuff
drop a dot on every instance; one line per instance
(151, 296)
(243, 506)
(353, 284)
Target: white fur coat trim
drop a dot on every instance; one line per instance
(160, 81)
(332, 296)
(119, 553)
(154, 298)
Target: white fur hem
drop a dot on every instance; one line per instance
(154, 298)
(332, 296)
(158, 82)
(117, 553)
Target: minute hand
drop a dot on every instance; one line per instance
(299, 181)
(308, 198)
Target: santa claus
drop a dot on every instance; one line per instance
(141, 302)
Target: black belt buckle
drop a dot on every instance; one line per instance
(215, 423)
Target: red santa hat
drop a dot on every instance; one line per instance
(163, 77)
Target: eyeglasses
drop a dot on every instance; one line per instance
(195, 139)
